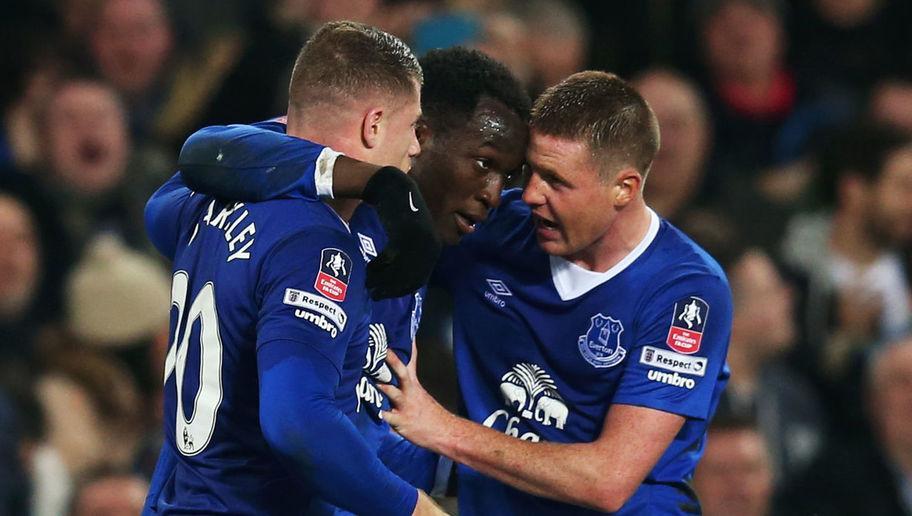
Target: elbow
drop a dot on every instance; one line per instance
(610, 498)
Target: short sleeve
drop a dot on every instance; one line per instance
(681, 343)
(311, 291)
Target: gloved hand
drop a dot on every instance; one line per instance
(412, 248)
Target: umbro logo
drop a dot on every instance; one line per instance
(499, 287)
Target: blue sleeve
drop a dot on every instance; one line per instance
(162, 215)
(312, 303)
(318, 443)
(681, 341)
(414, 464)
(252, 163)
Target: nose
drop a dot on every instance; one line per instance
(490, 194)
(414, 147)
(532, 193)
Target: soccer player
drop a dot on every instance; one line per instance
(590, 335)
(271, 311)
(473, 135)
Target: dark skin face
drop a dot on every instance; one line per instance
(461, 173)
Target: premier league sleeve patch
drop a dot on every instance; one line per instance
(687, 324)
(335, 273)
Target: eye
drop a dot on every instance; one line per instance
(483, 164)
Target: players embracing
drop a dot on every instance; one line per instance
(590, 335)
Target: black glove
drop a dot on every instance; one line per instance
(406, 263)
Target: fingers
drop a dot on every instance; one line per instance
(393, 393)
(413, 363)
(401, 371)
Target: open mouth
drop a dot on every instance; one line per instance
(91, 153)
(465, 224)
(546, 228)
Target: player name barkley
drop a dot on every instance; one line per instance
(230, 220)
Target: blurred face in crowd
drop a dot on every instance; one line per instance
(889, 202)
(112, 496)
(763, 325)
(131, 43)
(891, 391)
(734, 476)
(573, 202)
(847, 13)
(87, 136)
(20, 259)
(461, 173)
(742, 43)
(677, 170)
(891, 103)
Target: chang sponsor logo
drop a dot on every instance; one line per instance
(673, 379)
(529, 393)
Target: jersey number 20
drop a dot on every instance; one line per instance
(192, 435)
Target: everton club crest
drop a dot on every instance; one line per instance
(601, 345)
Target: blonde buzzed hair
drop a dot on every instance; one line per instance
(346, 60)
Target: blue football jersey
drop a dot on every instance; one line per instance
(543, 348)
(394, 322)
(245, 276)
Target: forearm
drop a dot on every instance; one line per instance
(573, 473)
(316, 442)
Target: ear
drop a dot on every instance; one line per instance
(628, 184)
(371, 127)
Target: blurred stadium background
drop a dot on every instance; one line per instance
(786, 151)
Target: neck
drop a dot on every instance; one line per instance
(626, 232)
(849, 238)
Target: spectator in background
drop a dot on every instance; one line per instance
(845, 47)
(111, 495)
(891, 103)
(850, 255)
(131, 44)
(90, 403)
(761, 115)
(117, 301)
(558, 40)
(677, 172)
(735, 476)
(855, 291)
(20, 279)
(867, 476)
(763, 382)
(97, 178)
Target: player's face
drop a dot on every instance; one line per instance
(572, 204)
(399, 143)
(461, 174)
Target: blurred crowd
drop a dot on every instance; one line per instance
(786, 152)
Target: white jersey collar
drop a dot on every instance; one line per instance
(572, 281)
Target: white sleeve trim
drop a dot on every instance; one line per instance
(323, 172)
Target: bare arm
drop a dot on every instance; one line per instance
(602, 474)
